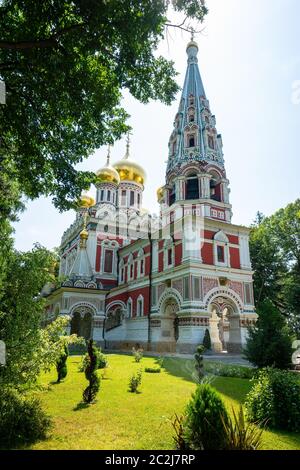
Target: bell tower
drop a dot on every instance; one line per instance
(195, 171)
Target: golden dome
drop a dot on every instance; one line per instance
(86, 201)
(108, 174)
(84, 234)
(192, 43)
(129, 170)
(160, 193)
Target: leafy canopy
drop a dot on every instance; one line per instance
(65, 65)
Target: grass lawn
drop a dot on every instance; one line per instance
(122, 420)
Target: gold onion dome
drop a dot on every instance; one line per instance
(85, 201)
(160, 192)
(108, 174)
(84, 234)
(129, 170)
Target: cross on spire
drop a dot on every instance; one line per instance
(127, 145)
(108, 155)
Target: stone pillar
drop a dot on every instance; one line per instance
(205, 186)
(225, 190)
(216, 343)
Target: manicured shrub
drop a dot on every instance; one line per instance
(269, 341)
(61, 365)
(160, 361)
(101, 358)
(135, 381)
(229, 370)
(22, 419)
(199, 363)
(275, 399)
(207, 340)
(153, 370)
(92, 389)
(204, 420)
(137, 354)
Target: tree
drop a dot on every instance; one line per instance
(91, 375)
(269, 342)
(275, 255)
(29, 348)
(61, 365)
(207, 340)
(65, 65)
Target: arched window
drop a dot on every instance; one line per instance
(192, 187)
(221, 249)
(172, 195)
(130, 268)
(215, 187)
(211, 142)
(108, 261)
(191, 118)
(129, 308)
(140, 306)
(168, 253)
(191, 140)
(141, 263)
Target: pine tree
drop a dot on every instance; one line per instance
(92, 389)
(269, 342)
(206, 339)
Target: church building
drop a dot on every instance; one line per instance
(129, 278)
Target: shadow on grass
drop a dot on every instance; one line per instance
(81, 406)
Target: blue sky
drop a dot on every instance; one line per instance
(249, 59)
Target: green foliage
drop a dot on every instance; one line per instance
(153, 370)
(22, 419)
(137, 354)
(199, 363)
(135, 381)
(61, 365)
(160, 361)
(275, 255)
(53, 120)
(207, 340)
(229, 370)
(102, 360)
(204, 418)
(92, 389)
(240, 435)
(178, 438)
(275, 399)
(269, 342)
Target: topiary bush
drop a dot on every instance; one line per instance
(61, 365)
(101, 358)
(137, 354)
(92, 389)
(207, 340)
(153, 370)
(22, 419)
(275, 399)
(205, 416)
(199, 363)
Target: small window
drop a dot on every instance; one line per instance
(102, 195)
(220, 254)
(211, 143)
(140, 307)
(191, 141)
(191, 118)
(131, 271)
(172, 195)
(142, 267)
(105, 228)
(123, 198)
(132, 198)
(186, 288)
(196, 287)
(108, 195)
(108, 261)
(138, 200)
(170, 257)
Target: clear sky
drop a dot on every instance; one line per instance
(249, 59)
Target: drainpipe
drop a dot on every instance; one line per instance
(150, 284)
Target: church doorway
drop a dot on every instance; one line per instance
(169, 325)
(224, 325)
(81, 323)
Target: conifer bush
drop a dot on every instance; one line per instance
(205, 416)
(61, 365)
(92, 389)
(207, 340)
(199, 363)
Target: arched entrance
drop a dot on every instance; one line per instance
(224, 325)
(81, 322)
(114, 318)
(169, 324)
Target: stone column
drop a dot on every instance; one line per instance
(225, 190)
(205, 186)
(235, 337)
(214, 332)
